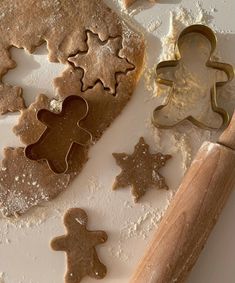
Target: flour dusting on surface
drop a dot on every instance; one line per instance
(153, 25)
(183, 139)
(186, 138)
(179, 19)
(139, 229)
(55, 105)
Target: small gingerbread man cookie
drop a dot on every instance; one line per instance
(79, 244)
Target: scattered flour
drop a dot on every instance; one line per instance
(185, 139)
(56, 105)
(145, 223)
(153, 25)
(37, 216)
(136, 8)
(179, 19)
(139, 229)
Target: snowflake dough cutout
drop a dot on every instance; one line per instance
(140, 170)
(94, 62)
(79, 244)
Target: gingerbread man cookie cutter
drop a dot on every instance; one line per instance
(226, 68)
(62, 131)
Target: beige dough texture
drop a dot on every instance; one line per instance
(25, 183)
(140, 170)
(68, 35)
(27, 24)
(80, 247)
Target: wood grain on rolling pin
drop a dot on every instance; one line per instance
(190, 218)
(228, 136)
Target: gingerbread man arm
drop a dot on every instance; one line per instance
(98, 237)
(47, 117)
(225, 68)
(82, 136)
(162, 68)
(60, 243)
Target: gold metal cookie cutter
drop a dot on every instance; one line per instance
(227, 68)
(62, 131)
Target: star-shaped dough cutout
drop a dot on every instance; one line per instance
(79, 244)
(101, 62)
(140, 170)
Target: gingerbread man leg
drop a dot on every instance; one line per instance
(169, 115)
(210, 118)
(99, 270)
(73, 277)
(199, 111)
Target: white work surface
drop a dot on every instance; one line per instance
(25, 254)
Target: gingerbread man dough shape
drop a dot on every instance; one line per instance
(190, 103)
(63, 130)
(79, 244)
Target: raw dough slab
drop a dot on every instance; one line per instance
(27, 24)
(114, 39)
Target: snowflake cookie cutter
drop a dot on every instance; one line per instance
(62, 132)
(227, 68)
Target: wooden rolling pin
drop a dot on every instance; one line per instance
(192, 214)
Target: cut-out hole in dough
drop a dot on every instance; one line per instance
(34, 73)
(63, 132)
